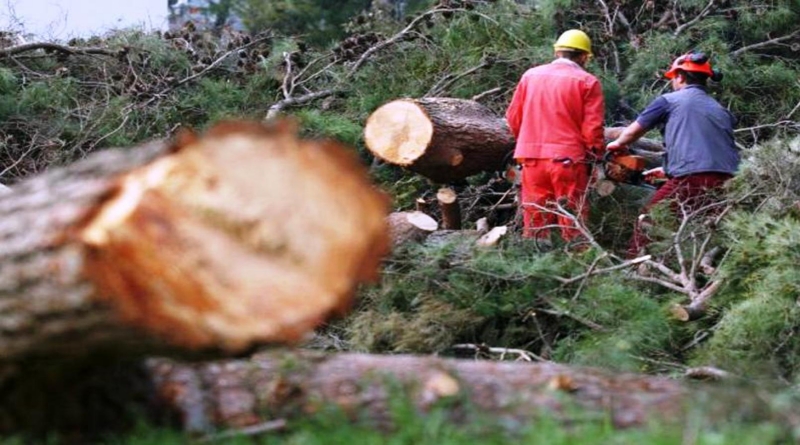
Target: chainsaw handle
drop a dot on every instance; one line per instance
(610, 154)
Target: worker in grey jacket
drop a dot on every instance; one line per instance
(698, 136)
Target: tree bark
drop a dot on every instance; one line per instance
(443, 139)
(216, 244)
(279, 385)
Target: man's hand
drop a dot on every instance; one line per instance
(654, 175)
(615, 146)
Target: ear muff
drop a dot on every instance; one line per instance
(716, 76)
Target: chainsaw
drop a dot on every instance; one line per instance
(626, 167)
(618, 167)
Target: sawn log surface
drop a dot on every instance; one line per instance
(213, 244)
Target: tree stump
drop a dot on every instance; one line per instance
(407, 227)
(450, 208)
(443, 139)
(242, 237)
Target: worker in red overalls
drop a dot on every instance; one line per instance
(556, 116)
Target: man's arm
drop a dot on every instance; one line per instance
(593, 116)
(514, 112)
(655, 113)
(629, 135)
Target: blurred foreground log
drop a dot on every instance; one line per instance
(295, 385)
(447, 140)
(217, 244)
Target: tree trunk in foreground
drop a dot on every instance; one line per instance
(443, 139)
(216, 244)
(447, 140)
(280, 385)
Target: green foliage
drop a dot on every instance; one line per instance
(315, 123)
(316, 20)
(756, 334)
(331, 426)
(432, 297)
(635, 326)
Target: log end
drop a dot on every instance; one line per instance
(446, 195)
(679, 313)
(686, 313)
(237, 239)
(399, 132)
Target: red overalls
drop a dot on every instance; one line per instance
(556, 116)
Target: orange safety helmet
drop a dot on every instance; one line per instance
(692, 62)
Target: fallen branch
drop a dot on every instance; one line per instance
(14, 50)
(707, 373)
(747, 48)
(279, 106)
(707, 261)
(707, 10)
(445, 82)
(482, 350)
(486, 93)
(249, 431)
(399, 36)
(592, 271)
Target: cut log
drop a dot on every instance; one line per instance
(407, 227)
(212, 244)
(450, 208)
(249, 392)
(443, 139)
(492, 237)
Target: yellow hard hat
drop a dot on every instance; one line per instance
(574, 39)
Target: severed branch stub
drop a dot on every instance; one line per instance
(213, 243)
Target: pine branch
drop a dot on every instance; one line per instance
(747, 48)
(707, 10)
(14, 50)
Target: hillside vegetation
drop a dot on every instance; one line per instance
(58, 103)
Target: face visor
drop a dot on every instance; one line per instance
(691, 62)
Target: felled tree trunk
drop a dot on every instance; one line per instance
(448, 140)
(443, 139)
(216, 244)
(247, 392)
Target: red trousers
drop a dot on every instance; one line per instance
(545, 182)
(690, 193)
